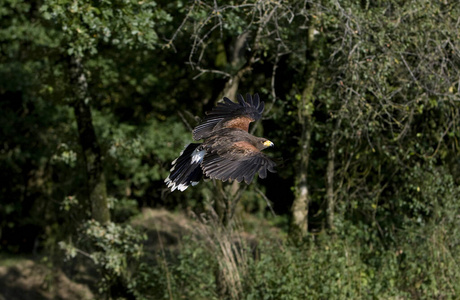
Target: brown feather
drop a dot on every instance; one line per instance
(239, 123)
(248, 147)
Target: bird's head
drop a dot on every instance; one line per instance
(266, 143)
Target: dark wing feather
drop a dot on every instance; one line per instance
(222, 168)
(231, 162)
(229, 114)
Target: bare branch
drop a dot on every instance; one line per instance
(170, 41)
(203, 71)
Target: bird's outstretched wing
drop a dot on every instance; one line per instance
(229, 114)
(236, 161)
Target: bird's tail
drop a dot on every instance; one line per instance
(186, 169)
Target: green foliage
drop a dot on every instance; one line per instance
(323, 269)
(189, 274)
(138, 155)
(112, 248)
(85, 24)
(352, 265)
(430, 244)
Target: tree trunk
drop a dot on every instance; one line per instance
(299, 224)
(330, 185)
(301, 201)
(96, 185)
(227, 198)
(226, 201)
(330, 173)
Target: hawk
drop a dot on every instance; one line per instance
(228, 150)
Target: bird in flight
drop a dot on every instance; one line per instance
(228, 150)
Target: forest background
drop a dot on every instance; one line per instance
(362, 104)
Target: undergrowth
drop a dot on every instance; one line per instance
(221, 264)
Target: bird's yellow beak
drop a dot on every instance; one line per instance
(267, 143)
